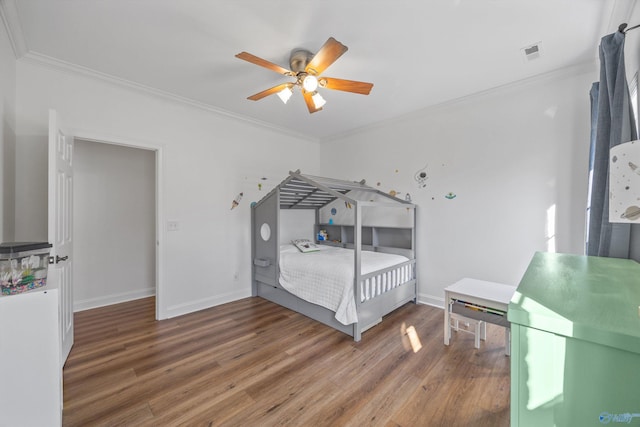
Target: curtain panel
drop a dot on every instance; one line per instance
(612, 123)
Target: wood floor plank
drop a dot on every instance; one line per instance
(212, 388)
(254, 363)
(370, 378)
(104, 403)
(280, 397)
(447, 395)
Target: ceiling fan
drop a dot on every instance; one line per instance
(307, 68)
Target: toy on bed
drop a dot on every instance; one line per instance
(350, 282)
(323, 235)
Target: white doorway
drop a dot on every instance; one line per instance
(116, 223)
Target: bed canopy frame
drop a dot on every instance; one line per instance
(301, 191)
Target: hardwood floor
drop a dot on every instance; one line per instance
(254, 363)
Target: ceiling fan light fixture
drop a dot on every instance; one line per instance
(310, 83)
(285, 94)
(318, 100)
(307, 68)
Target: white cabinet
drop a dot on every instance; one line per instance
(30, 373)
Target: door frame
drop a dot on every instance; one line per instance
(159, 184)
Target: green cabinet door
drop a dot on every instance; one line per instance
(575, 336)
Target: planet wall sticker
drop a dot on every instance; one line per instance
(624, 183)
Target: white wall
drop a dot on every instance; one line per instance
(7, 135)
(114, 224)
(296, 224)
(31, 165)
(396, 216)
(516, 159)
(207, 160)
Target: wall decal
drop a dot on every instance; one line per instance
(236, 201)
(334, 211)
(632, 213)
(392, 193)
(421, 177)
(450, 196)
(253, 204)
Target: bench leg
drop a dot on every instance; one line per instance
(507, 341)
(447, 325)
(483, 331)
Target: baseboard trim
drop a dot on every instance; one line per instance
(90, 303)
(431, 300)
(190, 307)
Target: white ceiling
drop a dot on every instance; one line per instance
(417, 53)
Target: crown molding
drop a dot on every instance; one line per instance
(59, 65)
(43, 60)
(11, 21)
(582, 68)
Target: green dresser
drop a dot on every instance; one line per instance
(575, 342)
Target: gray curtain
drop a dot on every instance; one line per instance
(612, 123)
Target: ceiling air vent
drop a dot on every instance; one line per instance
(532, 52)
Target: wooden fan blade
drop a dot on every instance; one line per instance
(264, 63)
(258, 96)
(309, 101)
(346, 85)
(327, 55)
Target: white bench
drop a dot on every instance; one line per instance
(477, 302)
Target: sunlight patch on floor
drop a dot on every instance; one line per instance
(410, 338)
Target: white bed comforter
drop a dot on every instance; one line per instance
(325, 277)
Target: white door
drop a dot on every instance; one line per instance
(61, 225)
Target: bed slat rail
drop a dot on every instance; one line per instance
(393, 267)
(379, 282)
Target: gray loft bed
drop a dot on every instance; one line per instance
(319, 194)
